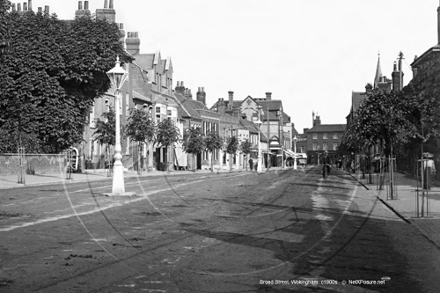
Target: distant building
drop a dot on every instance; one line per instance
(276, 124)
(323, 137)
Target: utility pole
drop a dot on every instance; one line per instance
(268, 138)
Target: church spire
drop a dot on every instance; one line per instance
(378, 73)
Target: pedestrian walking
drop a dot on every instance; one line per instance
(251, 164)
(325, 164)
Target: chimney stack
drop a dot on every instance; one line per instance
(13, 7)
(201, 95)
(397, 75)
(40, 10)
(180, 88)
(231, 100)
(133, 43)
(30, 5)
(82, 12)
(221, 106)
(268, 96)
(46, 9)
(18, 7)
(122, 34)
(368, 88)
(24, 6)
(107, 13)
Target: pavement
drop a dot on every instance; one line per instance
(11, 181)
(406, 203)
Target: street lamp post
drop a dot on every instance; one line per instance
(258, 122)
(295, 139)
(117, 76)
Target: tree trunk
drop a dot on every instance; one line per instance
(166, 159)
(212, 163)
(194, 162)
(139, 159)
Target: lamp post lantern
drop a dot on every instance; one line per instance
(295, 139)
(258, 122)
(118, 76)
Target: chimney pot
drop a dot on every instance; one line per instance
(46, 9)
(111, 4)
(40, 10)
(121, 26)
(105, 4)
(18, 7)
(136, 34)
(86, 5)
(80, 5)
(24, 6)
(30, 5)
(13, 7)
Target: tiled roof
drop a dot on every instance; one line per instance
(421, 59)
(356, 99)
(185, 109)
(249, 125)
(273, 104)
(189, 106)
(141, 97)
(328, 128)
(145, 61)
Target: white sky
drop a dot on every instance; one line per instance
(311, 54)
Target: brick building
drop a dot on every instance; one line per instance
(323, 137)
(276, 124)
(148, 87)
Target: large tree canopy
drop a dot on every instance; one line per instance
(383, 118)
(51, 72)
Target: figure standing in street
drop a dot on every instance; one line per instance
(325, 164)
(429, 169)
(251, 164)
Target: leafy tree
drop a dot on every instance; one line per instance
(424, 93)
(11, 141)
(4, 26)
(245, 148)
(383, 118)
(105, 131)
(231, 148)
(193, 142)
(51, 74)
(140, 128)
(166, 135)
(213, 142)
